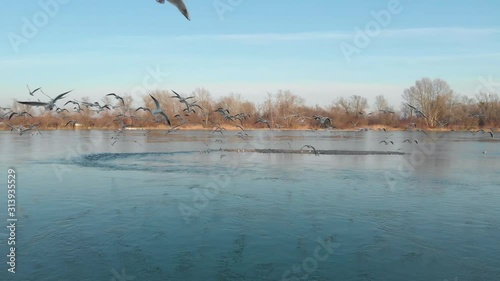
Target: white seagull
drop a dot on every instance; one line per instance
(179, 4)
(48, 105)
(158, 110)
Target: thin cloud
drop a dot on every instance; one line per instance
(431, 58)
(268, 37)
(314, 35)
(440, 31)
(245, 38)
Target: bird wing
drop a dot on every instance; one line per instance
(61, 96)
(120, 98)
(177, 95)
(35, 90)
(33, 103)
(166, 117)
(411, 106)
(195, 105)
(12, 114)
(156, 102)
(425, 116)
(181, 6)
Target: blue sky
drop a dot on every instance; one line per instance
(254, 47)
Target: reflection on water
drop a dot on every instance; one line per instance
(175, 207)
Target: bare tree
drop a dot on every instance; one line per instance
(358, 105)
(381, 103)
(287, 106)
(204, 99)
(431, 97)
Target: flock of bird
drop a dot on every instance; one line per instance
(159, 115)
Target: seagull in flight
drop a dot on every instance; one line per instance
(386, 111)
(159, 110)
(70, 122)
(144, 108)
(409, 141)
(421, 130)
(24, 113)
(117, 97)
(311, 147)
(181, 99)
(189, 107)
(180, 5)
(418, 111)
(21, 129)
(32, 92)
(48, 105)
(264, 121)
(322, 119)
(123, 125)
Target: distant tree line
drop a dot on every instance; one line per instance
(427, 104)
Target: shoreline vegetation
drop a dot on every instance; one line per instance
(429, 105)
(201, 128)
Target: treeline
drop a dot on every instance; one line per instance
(438, 107)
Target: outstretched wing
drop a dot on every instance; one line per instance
(61, 96)
(412, 107)
(156, 102)
(143, 108)
(166, 117)
(180, 5)
(33, 103)
(176, 95)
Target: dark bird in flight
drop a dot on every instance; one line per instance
(117, 97)
(24, 113)
(48, 105)
(180, 5)
(418, 111)
(159, 110)
(70, 122)
(264, 122)
(181, 99)
(311, 147)
(32, 92)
